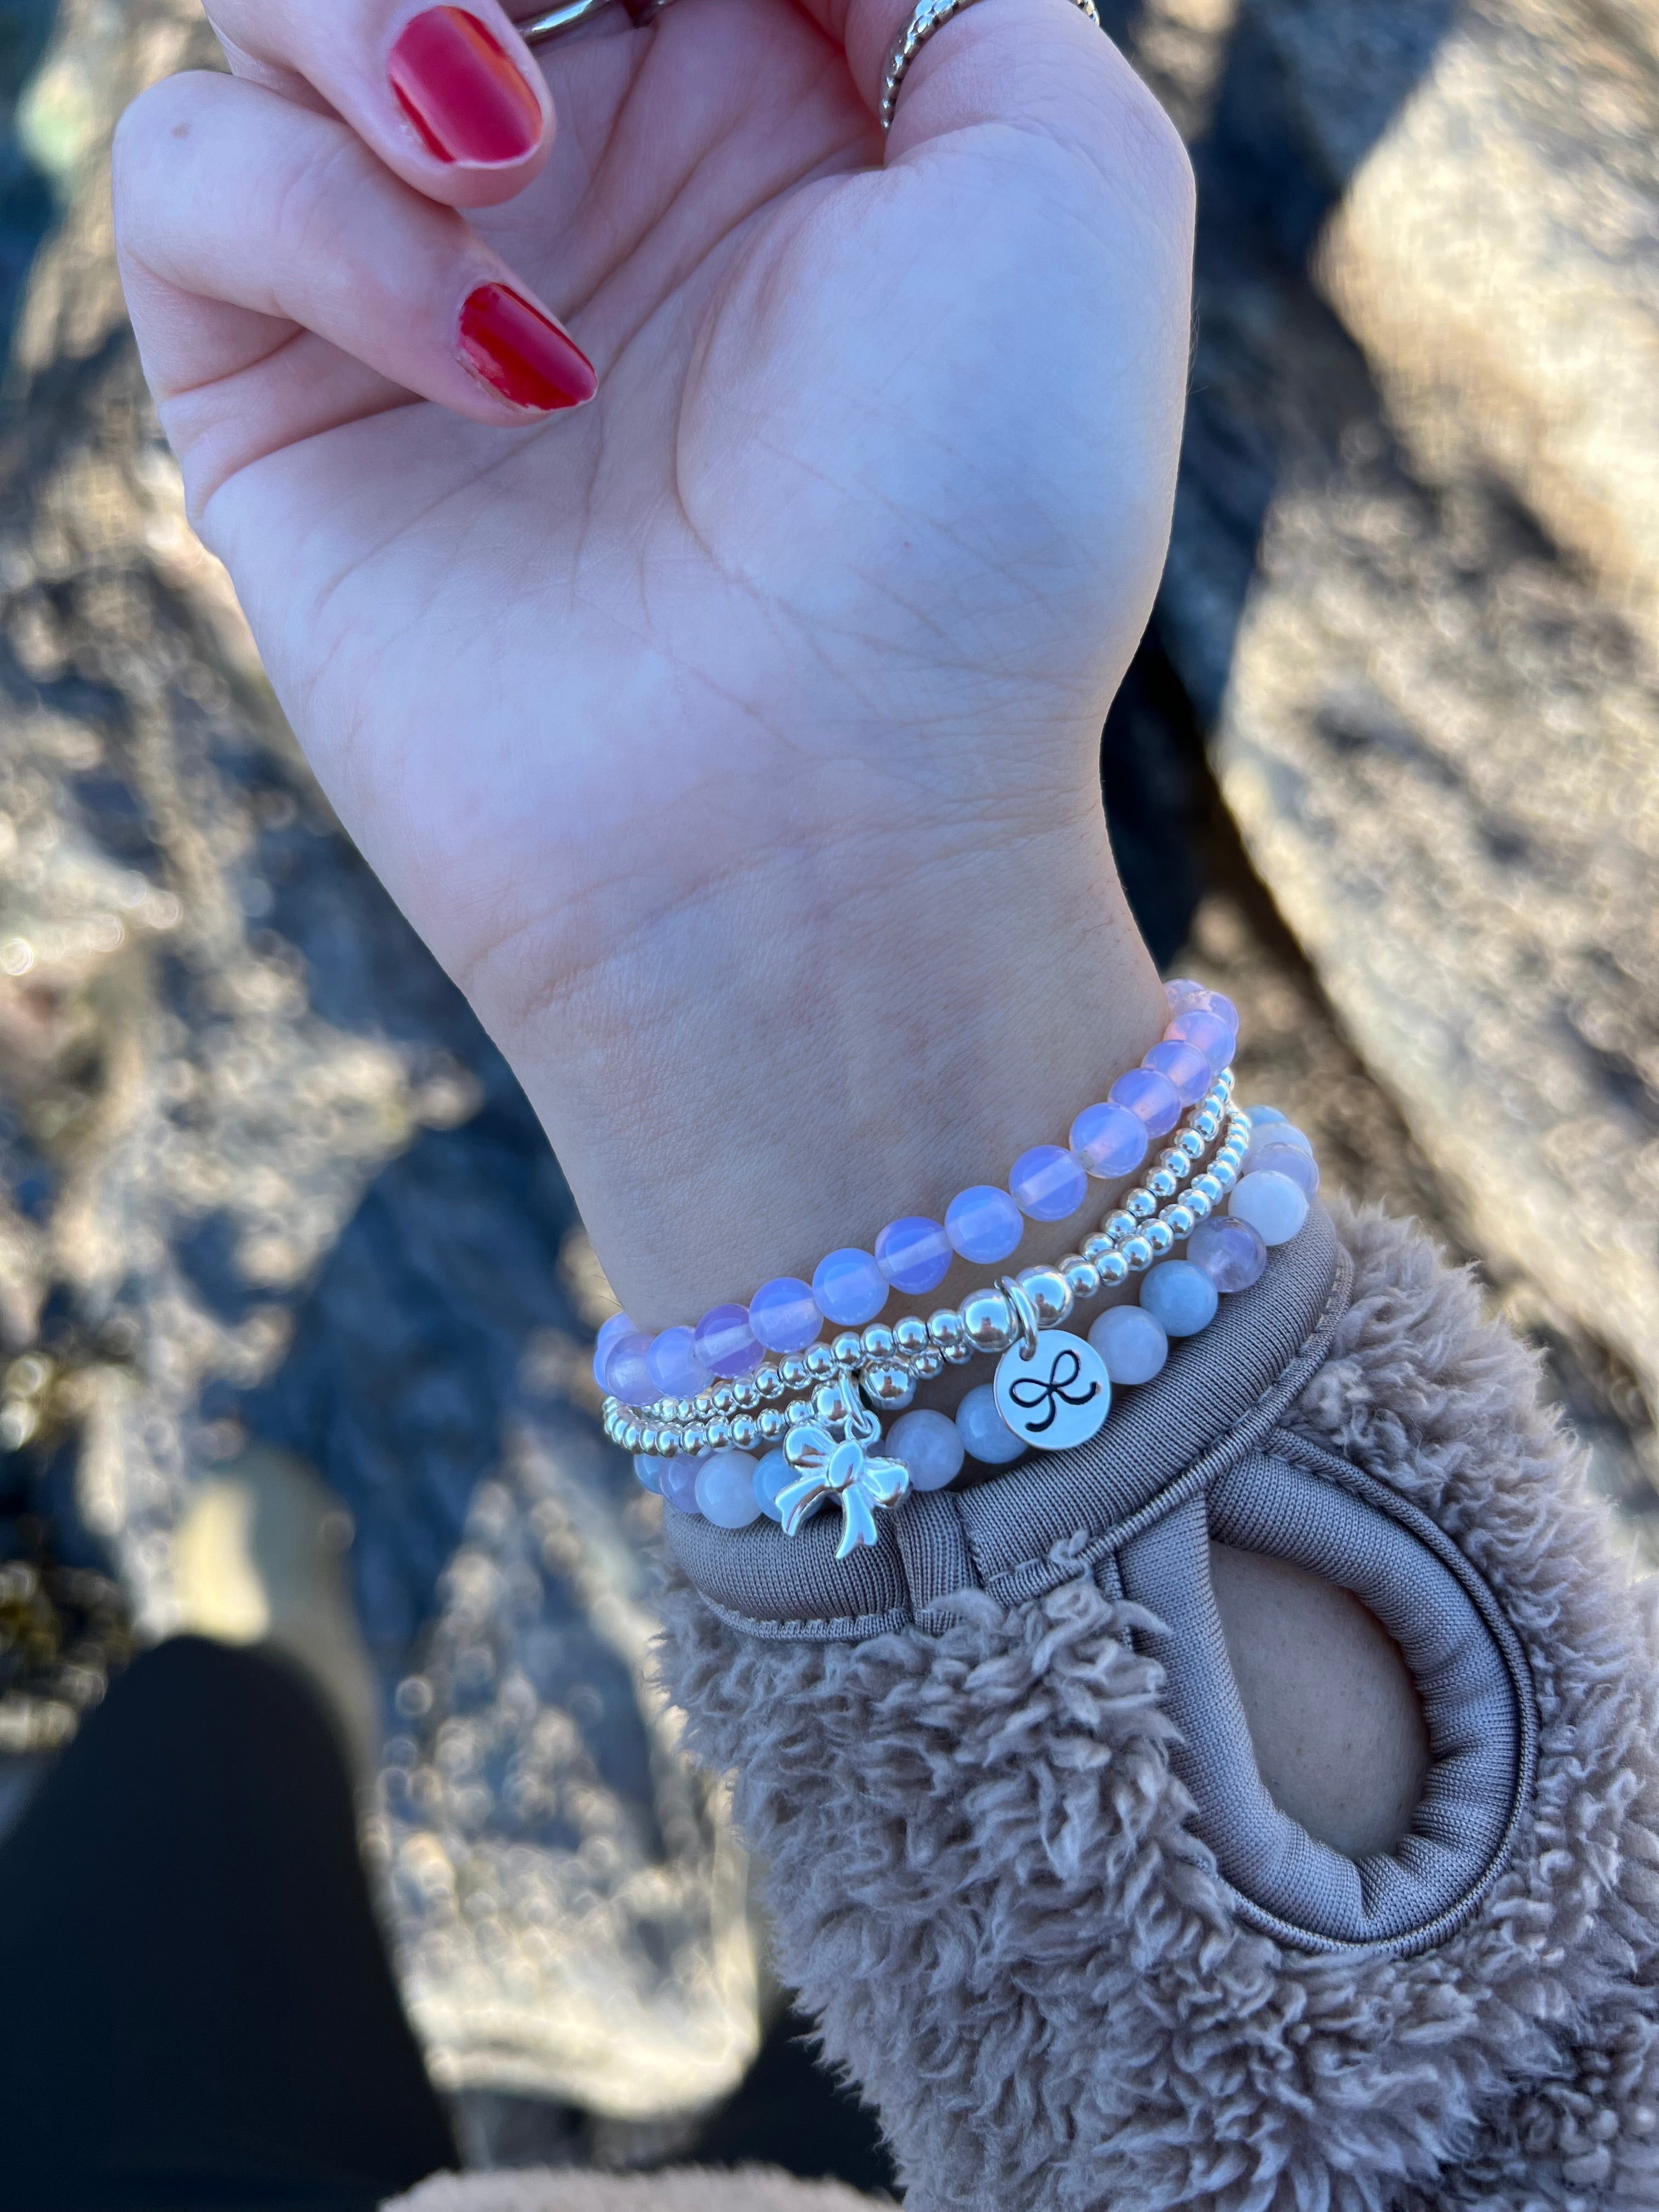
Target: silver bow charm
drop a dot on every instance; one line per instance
(845, 1471)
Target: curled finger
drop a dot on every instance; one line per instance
(243, 220)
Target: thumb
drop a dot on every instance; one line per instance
(1038, 64)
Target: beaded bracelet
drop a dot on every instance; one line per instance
(888, 1363)
(1051, 1391)
(913, 1254)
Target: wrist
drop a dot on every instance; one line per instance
(829, 1035)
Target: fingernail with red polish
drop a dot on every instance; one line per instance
(521, 353)
(458, 85)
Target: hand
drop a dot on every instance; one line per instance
(730, 738)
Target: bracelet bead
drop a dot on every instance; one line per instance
(724, 1490)
(1132, 1342)
(610, 1334)
(889, 1385)
(914, 1253)
(1137, 1254)
(1271, 1203)
(1184, 1065)
(983, 1224)
(1109, 1139)
(679, 1486)
(725, 1343)
(1279, 1132)
(846, 1349)
(1207, 1033)
(1184, 995)
(627, 1371)
(1286, 1160)
(910, 1336)
(849, 1287)
(675, 1367)
(1231, 1252)
(985, 1436)
(876, 1341)
(1048, 1183)
(773, 1474)
(1159, 1236)
(930, 1445)
(986, 1321)
(944, 1328)
(784, 1315)
(1149, 1096)
(1181, 1298)
(1050, 1295)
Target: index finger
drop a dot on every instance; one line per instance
(448, 96)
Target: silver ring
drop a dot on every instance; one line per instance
(931, 15)
(1024, 1311)
(538, 26)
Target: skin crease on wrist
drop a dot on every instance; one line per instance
(841, 1063)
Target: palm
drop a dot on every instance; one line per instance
(862, 527)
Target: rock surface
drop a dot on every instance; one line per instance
(1410, 589)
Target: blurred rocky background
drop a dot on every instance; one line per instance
(294, 1305)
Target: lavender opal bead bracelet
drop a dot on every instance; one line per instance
(913, 1254)
(1227, 1194)
(827, 1450)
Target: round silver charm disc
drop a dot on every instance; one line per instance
(1057, 1397)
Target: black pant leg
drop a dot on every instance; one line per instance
(196, 2008)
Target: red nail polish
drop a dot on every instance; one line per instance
(521, 354)
(457, 84)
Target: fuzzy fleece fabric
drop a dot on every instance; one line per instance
(685, 2189)
(985, 1886)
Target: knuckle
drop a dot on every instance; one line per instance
(1154, 151)
(317, 200)
(148, 135)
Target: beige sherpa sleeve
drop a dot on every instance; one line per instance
(1022, 1864)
